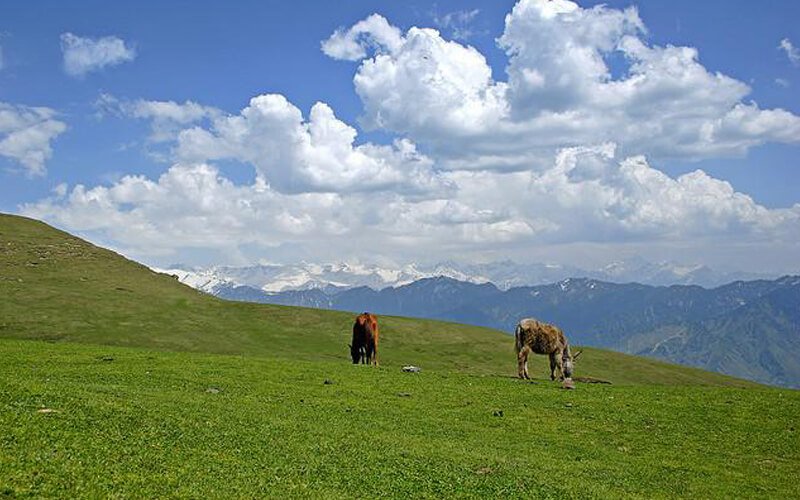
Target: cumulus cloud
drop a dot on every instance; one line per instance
(374, 32)
(194, 206)
(791, 51)
(599, 197)
(428, 87)
(286, 150)
(586, 195)
(293, 154)
(83, 55)
(26, 134)
(559, 92)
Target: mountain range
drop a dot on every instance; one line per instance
(749, 329)
(503, 274)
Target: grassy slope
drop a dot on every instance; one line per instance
(143, 423)
(58, 287)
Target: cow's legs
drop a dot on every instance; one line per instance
(559, 365)
(552, 366)
(522, 362)
(527, 375)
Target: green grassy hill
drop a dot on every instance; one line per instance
(58, 287)
(117, 381)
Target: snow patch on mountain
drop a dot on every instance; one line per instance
(207, 280)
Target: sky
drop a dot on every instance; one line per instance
(408, 132)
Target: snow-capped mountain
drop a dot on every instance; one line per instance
(275, 278)
(308, 276)
(207, 280)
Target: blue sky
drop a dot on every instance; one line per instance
(442, 163)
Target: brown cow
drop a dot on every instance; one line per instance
(534, 336)
(364, 347)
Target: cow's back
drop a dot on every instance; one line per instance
(365, 327)
(540, 337)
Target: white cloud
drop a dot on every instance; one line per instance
(560, 92)
(593, 196)
(295, 155)
(791, 51)
(373, 32)
(26, 134)
(586, 195)
(193, 206)
(288, 152)
(83, 55)
(167, 118)
(2, 61)
(428, 87)
(556, 52)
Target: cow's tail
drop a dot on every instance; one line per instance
(518, 338)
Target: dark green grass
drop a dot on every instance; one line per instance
(141, 423)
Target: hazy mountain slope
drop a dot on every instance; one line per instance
(760, 340)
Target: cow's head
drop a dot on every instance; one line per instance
(567, 361)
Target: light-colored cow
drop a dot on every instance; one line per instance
(542, 338)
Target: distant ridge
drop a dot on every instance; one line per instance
(503, 274)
